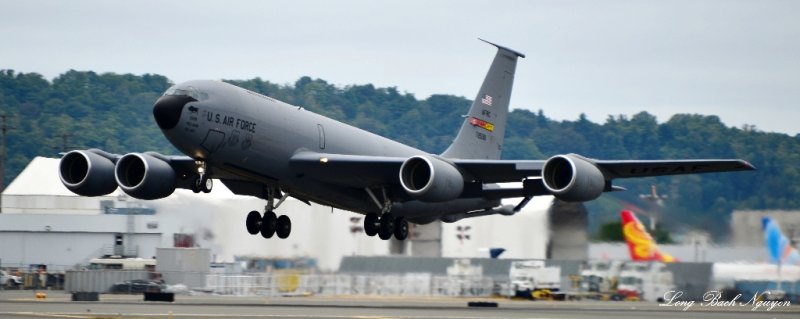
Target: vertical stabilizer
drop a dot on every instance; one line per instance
(640, 244)
(778, 245)
(481, 134)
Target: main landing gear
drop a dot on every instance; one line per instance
(270, 224)
(386, 224)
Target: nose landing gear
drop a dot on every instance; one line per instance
(203, 183)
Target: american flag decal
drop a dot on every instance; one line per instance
(487, 100)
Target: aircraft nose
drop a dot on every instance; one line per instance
(168, 108)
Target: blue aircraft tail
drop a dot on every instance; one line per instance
(779, 248)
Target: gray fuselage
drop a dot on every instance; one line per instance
(253, 136)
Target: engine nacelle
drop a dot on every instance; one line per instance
(87, 173)
(430, 179)
(573, 179)
(144, 176)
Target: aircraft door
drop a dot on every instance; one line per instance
(321, 131)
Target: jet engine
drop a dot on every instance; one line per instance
(87, 173)
(145, 176)
(430, 179)
(572, 178)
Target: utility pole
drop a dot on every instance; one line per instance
(656, 201)
(4, 128)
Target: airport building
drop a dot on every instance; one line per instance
(744, 224)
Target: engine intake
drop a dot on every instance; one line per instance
(144, 176)
(572, 178)
(87, 173)
(430, 179)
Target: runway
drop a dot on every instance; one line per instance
(58, 305)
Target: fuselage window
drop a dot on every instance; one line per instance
(187, 91)
(321, 136)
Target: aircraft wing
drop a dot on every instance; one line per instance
(363, 171)
(648, 168)
(366, 171)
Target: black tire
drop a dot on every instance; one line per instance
(387, 227)
(253, 222)
(196, 186)
(268, 225)
(400, 228)
(284, 227)
(371, 224)
(206, 184)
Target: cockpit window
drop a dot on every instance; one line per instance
(187, 91)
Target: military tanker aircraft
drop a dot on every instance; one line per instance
(259, 146)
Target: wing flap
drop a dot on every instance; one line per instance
(500, 171)
(349, 170)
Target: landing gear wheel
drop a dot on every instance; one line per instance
(268, 225)
(253, 222)
(400, 228)
(206, 184)
(371, 224)
(284, 225)
(387, 227)
(196, 188)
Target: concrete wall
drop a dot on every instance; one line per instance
(427, 240)
(568, 239)
(693, 279)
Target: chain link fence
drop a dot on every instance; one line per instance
(412, 284)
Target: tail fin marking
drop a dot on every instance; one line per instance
(641, 245)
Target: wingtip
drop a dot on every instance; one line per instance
(748, 166)
(517, 53)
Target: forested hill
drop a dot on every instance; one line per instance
(114, 112)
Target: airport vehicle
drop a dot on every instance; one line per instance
(641, 245)
(262, 147)
(8, 280)
(532, 279)
(599, 278)
(136, 286)
(123, 263)
(647, 281)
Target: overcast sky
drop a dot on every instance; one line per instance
(739, 60)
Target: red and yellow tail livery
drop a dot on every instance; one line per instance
(640, 244)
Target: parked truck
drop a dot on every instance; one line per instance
(647, 281)
(532, 279)
(599, 279)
